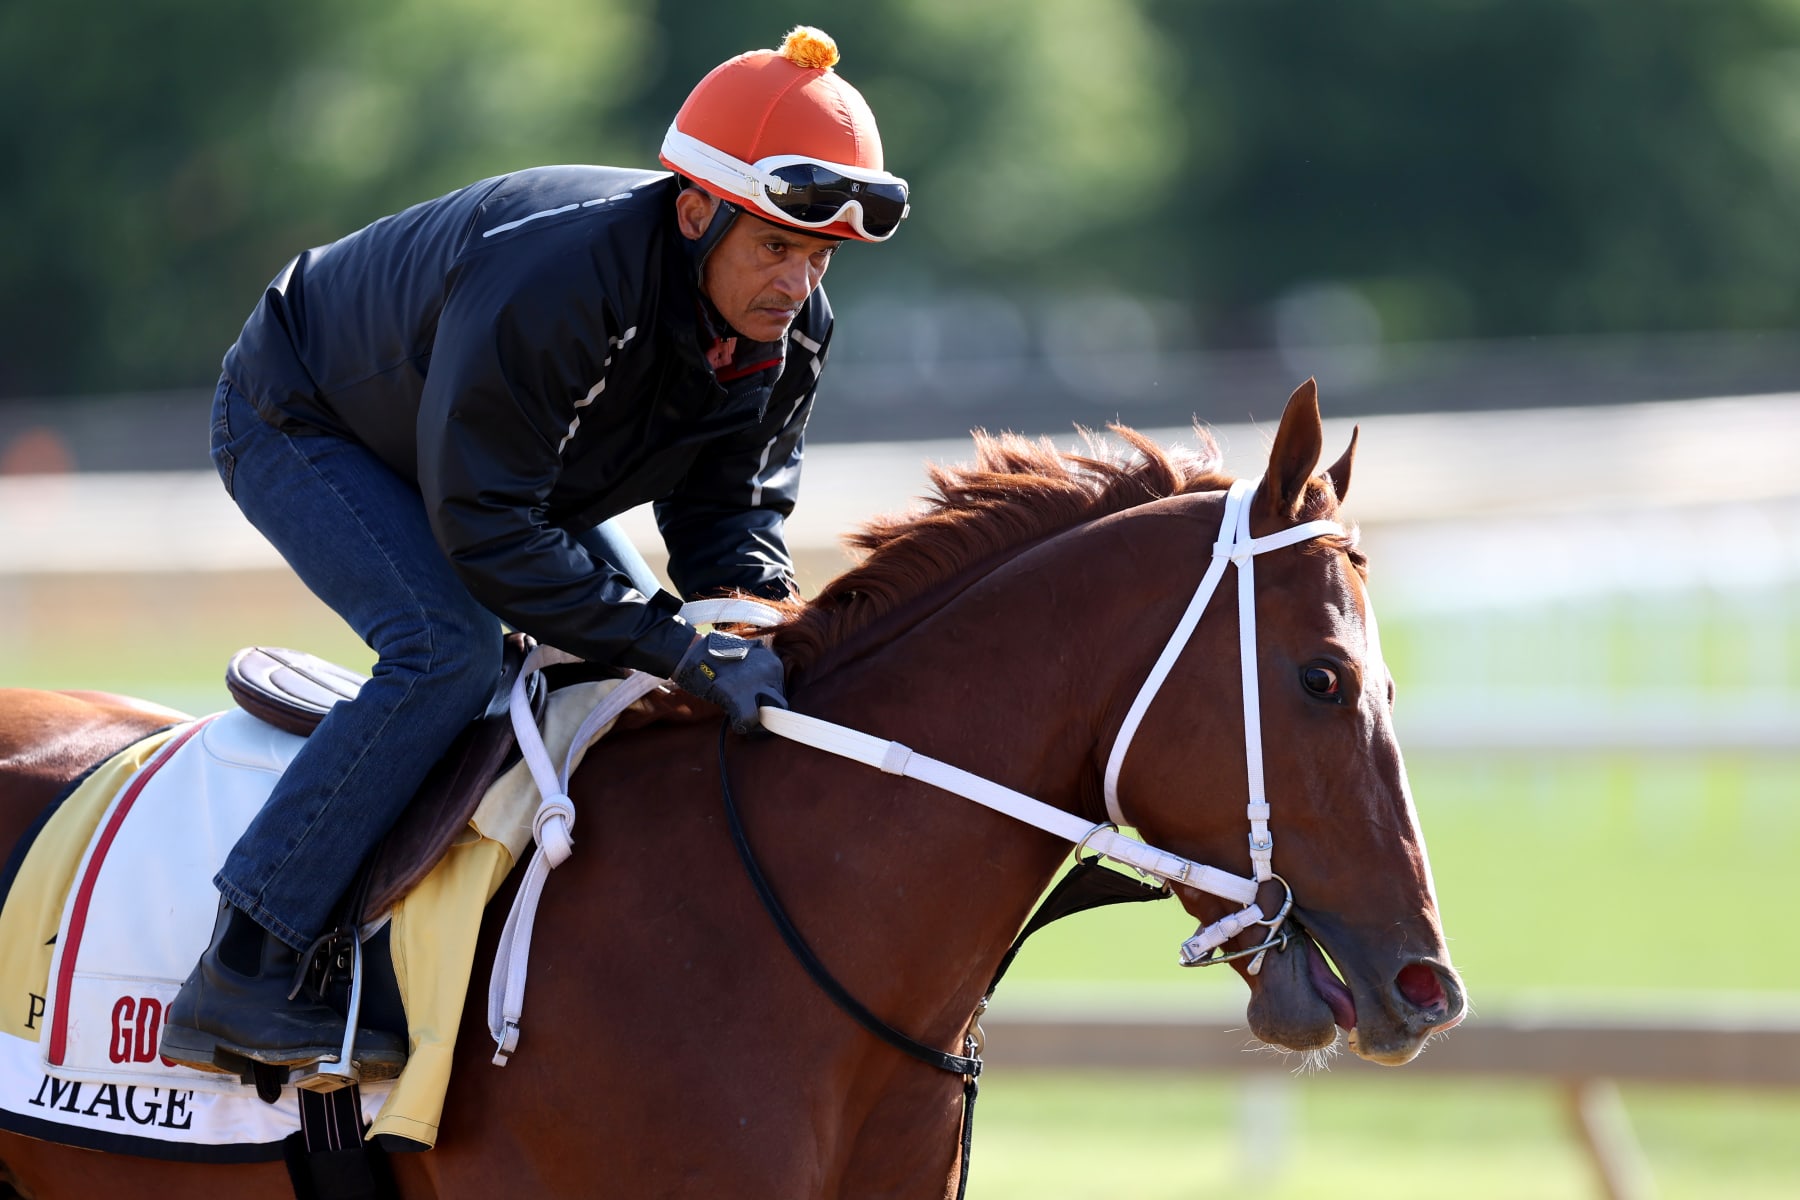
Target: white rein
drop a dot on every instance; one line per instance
(556, 815)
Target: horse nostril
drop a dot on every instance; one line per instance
(1421, 986)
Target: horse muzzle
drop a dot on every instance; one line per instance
(1299, 1002)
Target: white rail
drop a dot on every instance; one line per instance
(1584, 1057)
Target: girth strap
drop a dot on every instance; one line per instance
(328, 1158)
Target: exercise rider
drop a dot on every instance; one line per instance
(434, 419)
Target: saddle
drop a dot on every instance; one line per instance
(293, 691)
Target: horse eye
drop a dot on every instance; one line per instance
(1319, 680)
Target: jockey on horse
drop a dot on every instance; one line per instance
(434, 418)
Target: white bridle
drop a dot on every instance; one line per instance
(1235, 547)
(555, 817)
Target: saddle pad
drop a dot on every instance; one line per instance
(143, 904)
(132, 914)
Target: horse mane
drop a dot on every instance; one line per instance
(1016, 491)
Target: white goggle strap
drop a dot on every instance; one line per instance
(755, 185)
(768, 165)
(700, 160)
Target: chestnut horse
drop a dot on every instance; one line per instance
(674, 1047)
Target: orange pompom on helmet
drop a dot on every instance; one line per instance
(781, 133)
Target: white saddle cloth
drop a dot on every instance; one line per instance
(143, 905)
(138, 916)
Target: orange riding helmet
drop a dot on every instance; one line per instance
(780, 134)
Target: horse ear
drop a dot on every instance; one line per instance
(1295, 455)
(1339, 471)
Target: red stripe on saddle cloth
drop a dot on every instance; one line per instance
(84, 891)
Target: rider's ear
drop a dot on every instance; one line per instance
(1295, 455)
(693, 211)
(1339, 471)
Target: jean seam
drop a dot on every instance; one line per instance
(224, 461)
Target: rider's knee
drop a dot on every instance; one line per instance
(458, 666)
(468, 661)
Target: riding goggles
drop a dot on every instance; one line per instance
(797, 190)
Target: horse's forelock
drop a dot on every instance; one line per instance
(1016, 491)
(1321, 504)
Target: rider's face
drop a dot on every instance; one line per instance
(760, 273)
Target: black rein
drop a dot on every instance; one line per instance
(1086, 885)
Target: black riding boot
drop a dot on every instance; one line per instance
(235, 1004)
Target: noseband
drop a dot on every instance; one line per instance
(1235, 547)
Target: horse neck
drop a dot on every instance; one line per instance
(1011, 680)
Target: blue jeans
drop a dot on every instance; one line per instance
(356, 533)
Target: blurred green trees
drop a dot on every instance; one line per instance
(1464, 167)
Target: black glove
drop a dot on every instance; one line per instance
(733, 673)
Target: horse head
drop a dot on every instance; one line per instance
(1346, 848)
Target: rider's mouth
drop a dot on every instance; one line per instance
(1330, 988)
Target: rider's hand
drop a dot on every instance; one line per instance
(734, 673)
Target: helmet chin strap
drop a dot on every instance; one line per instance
(724, 216)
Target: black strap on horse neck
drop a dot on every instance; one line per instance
(1085, 885)
(956, 1064)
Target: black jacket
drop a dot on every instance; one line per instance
(529, 351)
